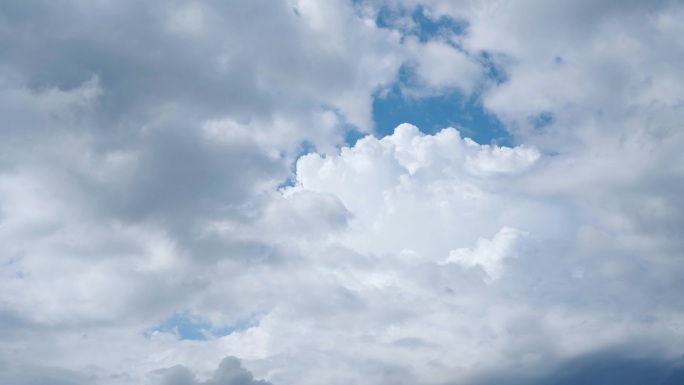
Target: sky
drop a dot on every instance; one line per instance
(377, 192)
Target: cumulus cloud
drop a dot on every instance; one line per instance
(489, 254)
(421, 189)
(229, 372)
(170, 170)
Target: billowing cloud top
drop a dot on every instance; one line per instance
(209, 193)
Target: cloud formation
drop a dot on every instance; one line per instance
(229, 372)
(197, 193)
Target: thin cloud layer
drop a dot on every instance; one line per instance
(184, 201)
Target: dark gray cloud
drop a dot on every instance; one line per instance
(144, 63)
(601, 368)
(211, 59)
(229, 372)
(106, 104)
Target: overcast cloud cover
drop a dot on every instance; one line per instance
(184, 201)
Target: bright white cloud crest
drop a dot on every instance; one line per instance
(182, 201)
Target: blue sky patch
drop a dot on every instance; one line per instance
(426, 27)
(189, 326)
(432, 114)
(494, 71)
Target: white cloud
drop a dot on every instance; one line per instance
(420, 189)
(495, 159)
(440, 66)
(144, 147)
(489, 254)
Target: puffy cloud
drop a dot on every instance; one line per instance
(440, 66)
(170, 160)
(229, 372)
(420, 206)
(489, 254)
(422, 189)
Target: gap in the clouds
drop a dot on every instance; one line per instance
(352, 136)
(420, 25)
(189, 326)
(433, 113)
(305, 147)
(289, 182)
(495, 72)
